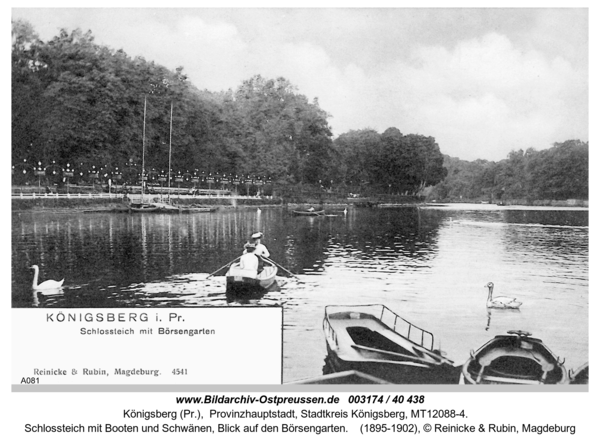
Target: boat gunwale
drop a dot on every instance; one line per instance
(258, 281)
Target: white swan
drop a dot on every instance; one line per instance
(501, 302)
(48, 284)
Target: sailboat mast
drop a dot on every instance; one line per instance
(144, 147)
(170, 144)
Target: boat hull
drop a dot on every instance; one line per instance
(143, 207)
(194, 210)
(308, 213)
(360, 341)
(396, 373)
(239, 286)
(153, 207)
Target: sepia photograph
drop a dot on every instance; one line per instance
(392, 196)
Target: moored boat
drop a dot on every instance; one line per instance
(190, 209)
(152, 207)
(308, 212)
(514, 358)
(374, 340)
(142, 207)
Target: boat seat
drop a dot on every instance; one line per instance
(536, 374)
(494, 354)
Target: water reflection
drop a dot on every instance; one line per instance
(427, 264)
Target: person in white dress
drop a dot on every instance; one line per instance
(249, 262)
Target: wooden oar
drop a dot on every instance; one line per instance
(290, 273)
(223, 267)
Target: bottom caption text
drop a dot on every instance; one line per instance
(304, 414)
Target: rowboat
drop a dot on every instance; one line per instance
(240, 285)
(514, 358)
(152, 207)
(374, 340)
(307, 212)
(199, 209)
(143, 207)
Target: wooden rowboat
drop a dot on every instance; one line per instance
(143, 207)
(374, 340)
(308, 213)
(514, 358)
(239, 285)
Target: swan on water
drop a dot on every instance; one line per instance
(500, 302)
(48, 284)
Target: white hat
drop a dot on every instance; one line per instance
(257, 235)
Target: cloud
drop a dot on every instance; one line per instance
(482, 98)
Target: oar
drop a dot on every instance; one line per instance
(222, 267)
(290, 273)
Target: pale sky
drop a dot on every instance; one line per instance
(481, 81)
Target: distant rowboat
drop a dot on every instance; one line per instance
(308, 212)
(199, 209)
(143, 207)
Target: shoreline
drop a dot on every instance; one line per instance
(117, 205)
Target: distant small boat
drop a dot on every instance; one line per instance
(143, 207)
(374, 340)
(392, 205)
(166, 207)
(199, 209)
(515, 358)
(152, 207)
(308, 212)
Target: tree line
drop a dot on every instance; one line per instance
(78, 103)
(558, 173)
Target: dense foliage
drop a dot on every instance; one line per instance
(558, 173)
(81, 104)
(85, 109)
(390, 163)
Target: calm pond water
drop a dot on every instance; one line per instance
(429, 265)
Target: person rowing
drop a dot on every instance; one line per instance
(260, 250)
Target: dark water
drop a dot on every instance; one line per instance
(429, 265)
